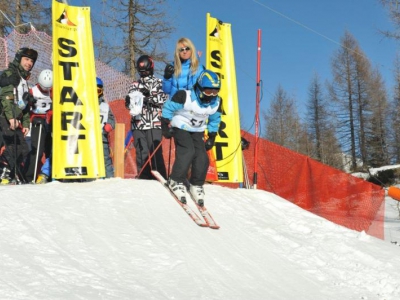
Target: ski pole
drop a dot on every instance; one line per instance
(37, 151)
(15, 131)
(149, 158)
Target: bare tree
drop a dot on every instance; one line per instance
(22, 14)
(342, 92)
(351, 94)
(393, 8)
(325, 147)
(394, 135)
(282, 121)
(377, 131)
(125, 29)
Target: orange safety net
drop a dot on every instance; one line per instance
(318, 188)
(325, 191)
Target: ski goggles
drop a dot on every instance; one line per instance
(210, 92)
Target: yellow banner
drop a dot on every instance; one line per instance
(220, 59)
(77, 142)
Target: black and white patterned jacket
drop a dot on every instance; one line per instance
(152, 106)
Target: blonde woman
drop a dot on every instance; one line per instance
(184, 71)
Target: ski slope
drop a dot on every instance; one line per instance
(128, 239)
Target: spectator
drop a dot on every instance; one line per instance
(41, 140)
(108, 124)
(146, 124)
(14, 118)
(184, 71)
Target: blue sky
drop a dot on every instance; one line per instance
(299, 38)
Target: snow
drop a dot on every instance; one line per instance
(128, 239)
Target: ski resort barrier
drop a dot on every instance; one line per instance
(320, 189)
(325, 191)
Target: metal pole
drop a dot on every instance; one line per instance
(257, 108)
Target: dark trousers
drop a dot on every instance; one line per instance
(38, 147)
(145, 141)
(189, 150)
(16, 148)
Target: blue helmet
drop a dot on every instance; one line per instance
(100, 89)
(99, 82)
(207, 86)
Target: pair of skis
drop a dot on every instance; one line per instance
(203, 220)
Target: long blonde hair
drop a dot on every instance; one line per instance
(194, 61)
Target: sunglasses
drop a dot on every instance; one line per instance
(99, 91)
(184, 49)
(210, 92)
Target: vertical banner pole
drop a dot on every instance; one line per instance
(257, 121)
(119, 150)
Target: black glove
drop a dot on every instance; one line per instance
(13, 80)
(28, 99)
(211, 140)
(169, 71)
(167, 131)
(127, 101)
(148, 101)
(145, 92)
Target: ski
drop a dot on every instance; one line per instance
(206, 215)
(192, 214)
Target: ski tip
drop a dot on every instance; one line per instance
(214, 226)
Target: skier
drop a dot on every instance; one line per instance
(185, 117)
(41, 140)
(146, 124)
(14, 118)
(108, 124)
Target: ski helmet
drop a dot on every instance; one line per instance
(145, 65)
(45, 79)
(99, 82)
(100, 85)
(26, 52)
(207, 86)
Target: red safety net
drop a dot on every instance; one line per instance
(318, 188)
(325, 191)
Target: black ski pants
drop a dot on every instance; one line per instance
(16, 148)
(145, 142)
(38, 147)
(189, 151)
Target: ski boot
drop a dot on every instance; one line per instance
(197, 193)
(179, 190)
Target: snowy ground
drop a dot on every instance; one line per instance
(128, 239)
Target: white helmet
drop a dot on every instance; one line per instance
(45, 79)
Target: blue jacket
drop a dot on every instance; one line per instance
(185, 81)
(187, 112)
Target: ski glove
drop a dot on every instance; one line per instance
(13, 80)
(28, 98)
(167, 131)
(169, 71)
(210, 141)
(107, 127)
